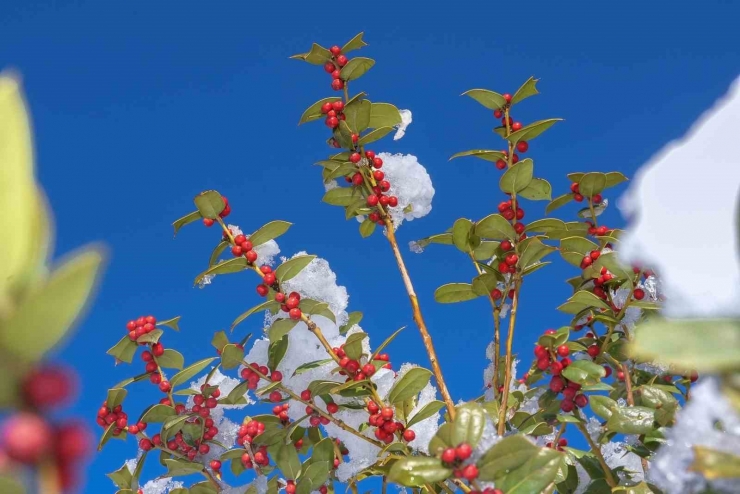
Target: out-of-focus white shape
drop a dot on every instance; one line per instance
(415, 247)
(317, 281)
(405, 121)
(683, 206)
(410, 183)
(695, 426)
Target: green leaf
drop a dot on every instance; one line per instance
(353, 345)
(367, 228)
(518, 177)
(204, 487)
(582, 300)
(288, 462)
(269, 232)
(354, 44)
(409, 385)
(494, 226)
(426, 411)
(313, 477)
(186, 220)
(536, 474)
(454, 292)
(354, 318)
(486, 250)
(231, 266)
(507, 455)
(341, 196)
(210, 204)
(317, 56)
(280, 328)
(311, 365)
(121, 477)
(124, 350)
(152, 337)
(525, 91)
(714, 464)
(631, 420)
(276, 351)
(489, 99)
(417, 471)
(705, 345)
(374, 135)
(220, 340)
(461, 230)
(44, 316)
(538, 189)
(115, 397)
(313, 112)
(217, 251)
(157, 414)
(177, 468)
(591, 184)
(584, 372)
(603, 406)
(545, 225)
(270, 305)
(171, 359)
(171, 323)
(356, 68)
(231, 356)
(484, 154)
(189, 372)
(614, 178)
(292, 267)
(357, 115)
(532, 130)
(534, 250)
(468, 425)
(558, 202)
(578, 244)
(384, 115)
(485, 283)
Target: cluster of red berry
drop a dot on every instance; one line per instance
(378, 197)
(355, 370)
(334, 67)
(521, 146)
(547, 361)
(562, 442)
(254, 371)
(281, 412)
(223, 214)
(116, 415)
(333, 112)
(578, 197)
(454, 458)
(141, 326)
(248, 431)
(385, 427)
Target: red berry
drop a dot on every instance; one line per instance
(594, 350)
(563, 350)
(500, 164)
(275, 396)
(335, 50)
(567, 405)
(393, 201)
(295, 313)
(337, 84)
(557, 384)
(164, 386)
(372, 200)
(338, 105)
(597, 199)
(387, 413)
(577, 197)
(215, 465)
(522, 146)
(409, 435)
(581, 400)
(448, 455)
(463, 451)
(50, 386)
(639, 293)
(377, 162)
(470, 472)
(516, 126)
(332, 408)
(145, 444)
(251, 256)
(498, 114)
(342, 60)
(507, 97)
(329, 67)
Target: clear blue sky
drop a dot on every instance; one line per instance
(138, 106)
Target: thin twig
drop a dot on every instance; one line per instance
(507, 360)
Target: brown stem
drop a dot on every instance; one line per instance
(496, 330)
(596, 451)
(628, 384)
(49, 478)
(419, 320)
(507, 360)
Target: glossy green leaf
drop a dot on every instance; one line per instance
(157, 414)
(353, 345)
(292, 267)
(178, 468)
(486, 250)
(311, 365)
(190, 372)
(461, 230)
(544, 225)
(426, 411)
(288, 462)
(276, 351)
(367, 228)
(507, 455)
(584, 372)
(489, 99)
(518, 177)
(582, 300)
(44, 317)
(418, 471)
(375, 135)
(494, 226)
(354, 318)
(210, 204)
(269, 232)
(231, 266)
(533, 251)
(631, 420)
(171, 359)
(614, 178)
(533, 476)
(409, 385)
(313, 112)
(357, 115)
(578, 244)
(387, 342)
(468, 424)
(121, 478)
(313, 477)
(705, 345)
(603, 406)
(527, 89)
(280, 328)
(231, 356)
(151, 337)
(484, 154)
(454, 292)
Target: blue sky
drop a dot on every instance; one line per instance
(139, 107)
